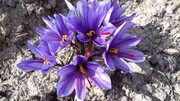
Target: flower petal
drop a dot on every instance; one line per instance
(54, 46)
(121, 30)
(123, 18)
(83, 37)
(108, 61)
(107, 30)
(50, 24)
(95, 67)
(99, 41)
(121, 64)
(66, 85)
(43, 31)
(46, 68)
(92, 68)
(80, 86)
(117, 12)
(132, 55)
(66, 70)
(30, 65)
(36, 50)
(127, 41)
(70, 36)
(51, 37)
(108, 16)
(79, 59)
(44, 47)
(61, 24)
(70, 6)
(102, 80)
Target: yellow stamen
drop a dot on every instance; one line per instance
(64, 38)
(81, 68)
(46, 62)
(90, 33)
(113, 50)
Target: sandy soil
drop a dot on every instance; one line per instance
(156, 79)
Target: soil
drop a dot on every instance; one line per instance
(156, 79)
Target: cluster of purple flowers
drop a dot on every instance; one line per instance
(91, 28)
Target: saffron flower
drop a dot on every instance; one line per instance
(87, 22)
(116, 15)
(119, 47)
(59, 33)
(73, 77)
(44, 64)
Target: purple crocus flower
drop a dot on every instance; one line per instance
(119, 48)
(87, 21)
(44, 64)
(73, 77)
(115, 14)
(59, 33)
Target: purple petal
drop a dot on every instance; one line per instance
(45, 48)
(36, 50)
(43, 31)
(80, 86)
(107, 30)
(99, 41)
(79, 59)
(66, 85)
(76, 22)
(83, 37)
(117, 12)
(54, 46)
(61, 24)
(86, 16)
(127, 41)
(102, 80)
(108, 16)
(66, 70)
(63, 44)
(108, 61)
(132, 55)
(123, 18)
(50, 24)
(93, 3)
(70, 6)
(70, 36)
(115, 2)
(94, 66)
(121, 64)
(51, 37)
(46, 68)
(30, 65)
(100, 15)
(120, 31)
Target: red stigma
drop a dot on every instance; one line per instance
(106, 33)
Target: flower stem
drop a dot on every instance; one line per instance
(77, 50)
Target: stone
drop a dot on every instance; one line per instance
(171, 51)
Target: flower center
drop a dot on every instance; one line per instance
(90, 33)
(81, 68)
(64, 38)
(46, 62)
(113, 50)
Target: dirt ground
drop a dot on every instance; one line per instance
(156, 79)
